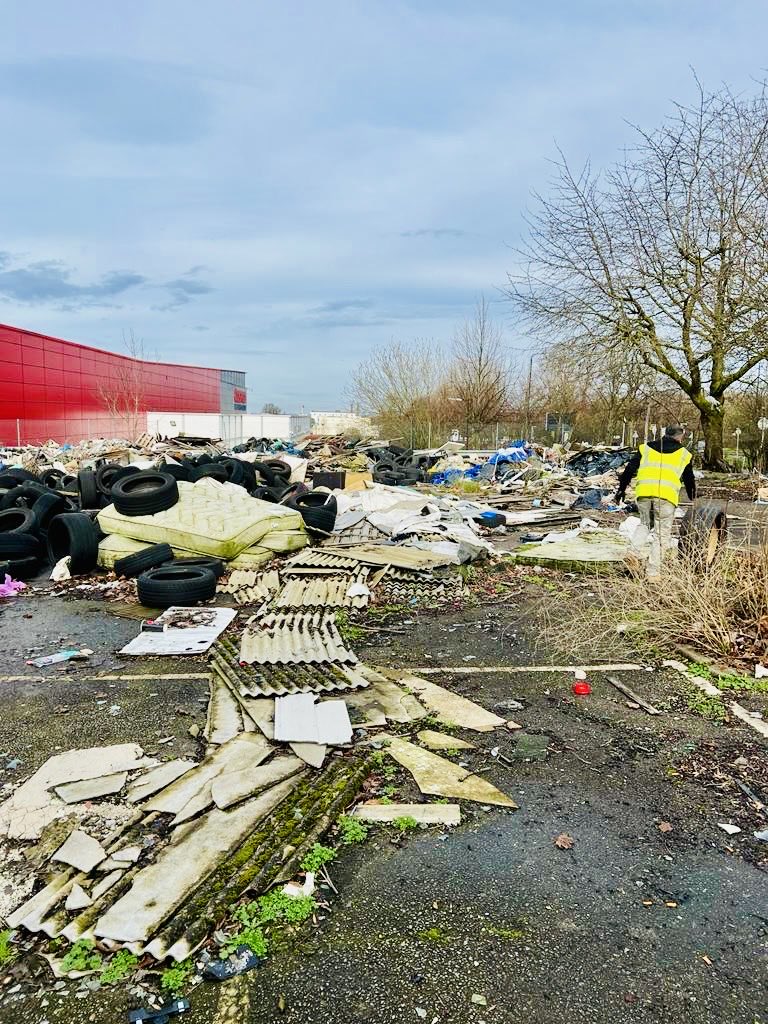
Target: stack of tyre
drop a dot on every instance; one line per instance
(43, 519)
(399, 466)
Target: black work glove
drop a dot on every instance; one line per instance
(619, 498)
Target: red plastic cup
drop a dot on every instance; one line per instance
(581, 688)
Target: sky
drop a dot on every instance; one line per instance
(283, 188)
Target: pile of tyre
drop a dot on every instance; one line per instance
(43, 519)
(399, 466)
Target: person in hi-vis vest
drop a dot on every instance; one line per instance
(661, 468)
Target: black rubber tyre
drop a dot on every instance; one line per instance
(279, 468)
(69, 483)
(23, 496)
(210, 469)
(19, 475)
(234, 468)
(203, 460)
(216, 565)
(108, 475)
(46, 508)
(293, 491)
(90, 496)
(17, 520)
(264, 473)
(24, 568)
(52, 478)
(145, 493)
(249, 477)
(318, 510)
(702, 531)
(264, 493)
(178, 471)
(171, 584)
(75, 535)
(18, 545)
(140, 561)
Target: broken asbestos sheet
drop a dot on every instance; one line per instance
(437, 776)
(298, 719)
(27, 812)
(194, 852)
(451, 708)
(190, 638)
(287, 638)
(424, 814)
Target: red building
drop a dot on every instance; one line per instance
(66, 391)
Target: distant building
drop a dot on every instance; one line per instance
(339, 422)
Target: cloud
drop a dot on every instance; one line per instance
(340, 304)
(434, 233)
(115, 99)
(50, 281)
(182, 291)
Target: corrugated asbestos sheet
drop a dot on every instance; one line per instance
(248, 586)
(279, 680)
(319, 558)
(323, 591)
(361, 533)
(369, 554)
(399, 586)
(291, 638)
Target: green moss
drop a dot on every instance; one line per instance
(349, 632)
(351, 830)
(174, 979)
(119, 967)
(83, 956)
(433, 935)
(8, 952)
(510, 934)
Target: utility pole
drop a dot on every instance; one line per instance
(527, 399)
(647, 418)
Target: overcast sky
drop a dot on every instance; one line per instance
(280, 187)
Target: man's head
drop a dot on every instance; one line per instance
(675, 432)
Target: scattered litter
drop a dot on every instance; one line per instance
(10, 587)
(762, 835)
(239, 962)
(478, 999)
(664, 826)
(159, 1016)
(54, 659)
(731, 830)
(634, 697)
(563, 841)
(182, 637)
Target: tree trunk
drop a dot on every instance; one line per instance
(712, 428)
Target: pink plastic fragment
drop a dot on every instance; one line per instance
(10, 587)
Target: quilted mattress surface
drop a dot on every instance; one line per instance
(210, 518)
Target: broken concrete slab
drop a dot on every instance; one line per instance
(158, 778)
(440, 741)
(27, 812)
(450, 708)
(424, 814)
(91, 789)
(437, 776)
(78, 898)
(261, 711)
(194, 852)
(247, 750)
(396, 704)
(80, 851)
(299, 719)
(229, 789)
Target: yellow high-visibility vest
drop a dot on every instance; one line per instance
(660, 472)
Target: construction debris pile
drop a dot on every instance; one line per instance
(152, 856)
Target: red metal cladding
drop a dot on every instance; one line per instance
(62, 390)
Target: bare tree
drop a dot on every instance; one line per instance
(270, 409)
(124, 395)
(397, 386)
(479, 374)
(666, 254)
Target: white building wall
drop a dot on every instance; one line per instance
(339, 422)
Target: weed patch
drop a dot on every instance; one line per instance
(351, 830)
(120, 966)
(83, 956)
(174, 979)
(8, 952)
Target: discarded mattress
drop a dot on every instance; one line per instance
(210, 518)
